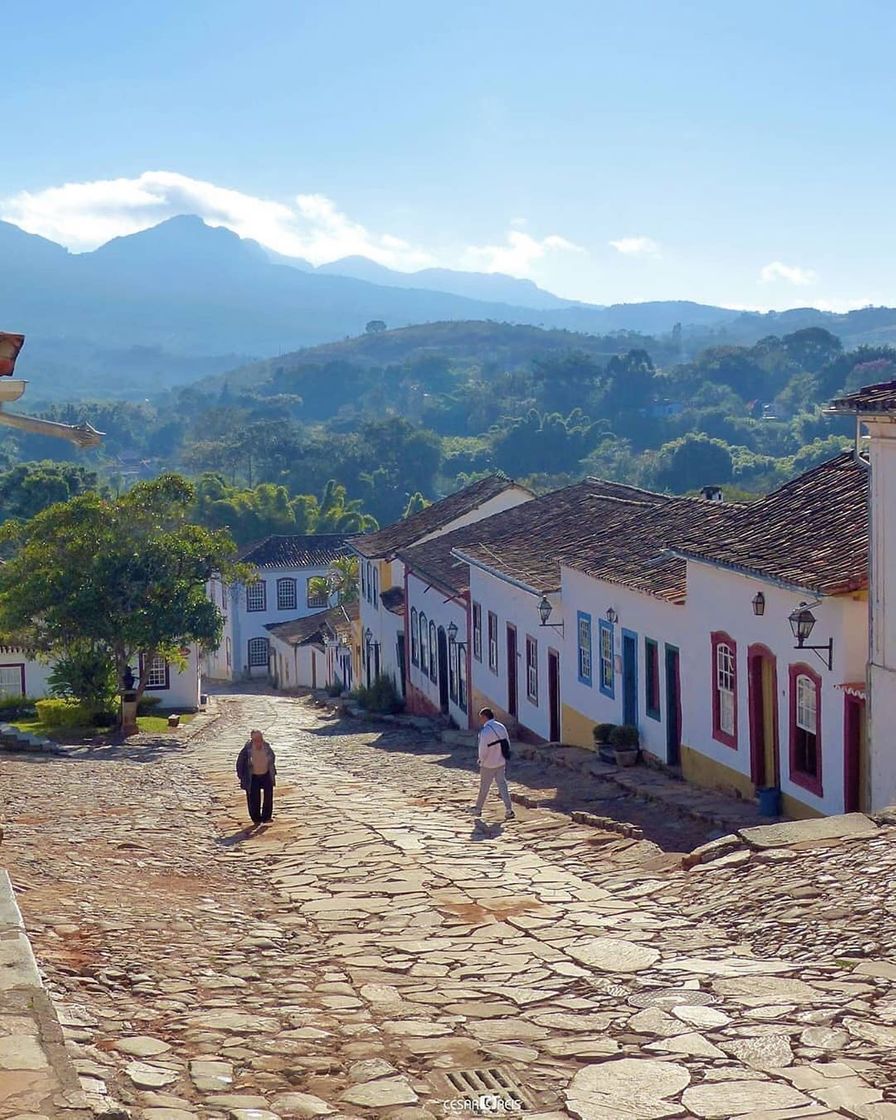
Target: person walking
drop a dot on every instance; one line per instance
(257, 772)
(493, 741)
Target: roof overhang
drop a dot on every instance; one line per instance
(762, 577)
(521, 585)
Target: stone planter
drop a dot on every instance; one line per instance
(627, 756)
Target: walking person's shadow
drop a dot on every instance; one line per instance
(483, 831)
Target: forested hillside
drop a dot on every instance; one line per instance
(331, 437)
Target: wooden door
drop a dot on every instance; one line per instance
(629, 678)
(554, 695)
(854, 754)
(673, 707)
(512, 672)
(762, 678)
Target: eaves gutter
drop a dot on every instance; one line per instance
(752, 573)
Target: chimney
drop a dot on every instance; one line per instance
(712, 493)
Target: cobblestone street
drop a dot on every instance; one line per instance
(373, 943)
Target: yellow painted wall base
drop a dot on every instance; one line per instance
(707, 772)
(576, 730)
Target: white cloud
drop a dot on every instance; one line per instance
(518, 255)
(636, 246)
(793, 274)
(85, 215)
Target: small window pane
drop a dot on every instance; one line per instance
(256, 596)
(286, 594)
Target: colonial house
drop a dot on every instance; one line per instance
(381, 626)
(22, 674)
(284, 591)
(681, 621)
(314, 652)
(735, 637)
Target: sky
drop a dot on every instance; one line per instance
(733, 153)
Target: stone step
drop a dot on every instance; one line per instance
(13, 739)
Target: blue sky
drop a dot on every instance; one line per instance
(732, 153)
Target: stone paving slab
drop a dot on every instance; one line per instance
(370, 941)
(791, 833)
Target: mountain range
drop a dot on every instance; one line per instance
(183, 300)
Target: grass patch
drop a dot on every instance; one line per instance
(152, 725)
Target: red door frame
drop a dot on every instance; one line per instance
(853, 718)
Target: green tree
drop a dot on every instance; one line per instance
(125, 576)
(340, 582)
(28, 488)
(692, 462)
(375, 326)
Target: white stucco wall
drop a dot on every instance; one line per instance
(36, 673)
(432, 602)
(246, 624)
(642, 615)
(882, 667)
(520, 609)
(384, 626)
(720, 600)
(183, 691)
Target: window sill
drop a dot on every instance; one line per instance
(808, 782)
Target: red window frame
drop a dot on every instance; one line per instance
(812, 782)
(720, 638)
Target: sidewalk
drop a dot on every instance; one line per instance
(710, 807)
(36, 1075)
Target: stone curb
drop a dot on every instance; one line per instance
(23, 996)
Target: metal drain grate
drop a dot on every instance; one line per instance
(493, 1089)
(671, 997)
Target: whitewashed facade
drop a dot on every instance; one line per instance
(381, 628)
(286, 565)
(438, 667)
(179, 689)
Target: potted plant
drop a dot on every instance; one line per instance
(602, 733)
(625, 741)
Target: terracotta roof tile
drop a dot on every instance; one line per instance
(393, 599)
(297, 550)
(300, 631)
(810, 533)
(387, 542)
(526, 543)
(870, 398)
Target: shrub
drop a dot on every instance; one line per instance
(625, 737)
(334, 689)
(603, 731)
(86, 674)
(382, 696)
(12, 706)
(54, 712)
(146, 704)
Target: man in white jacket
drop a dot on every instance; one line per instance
(492, 763)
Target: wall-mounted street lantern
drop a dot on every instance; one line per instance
(759, 604)
(452, 636)
(802, 623)
(544, 613)
(612, 617)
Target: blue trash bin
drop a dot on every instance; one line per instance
(769, 801)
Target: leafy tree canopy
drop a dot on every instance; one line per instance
(123, 576)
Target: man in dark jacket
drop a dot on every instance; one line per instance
(257, 773)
